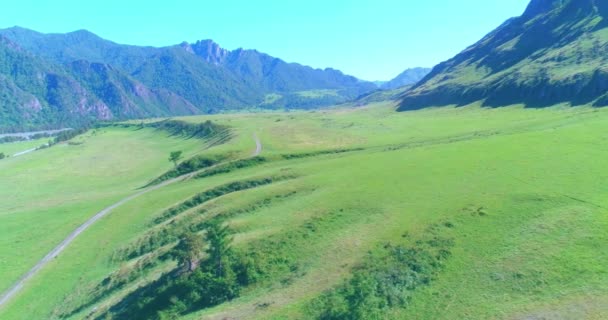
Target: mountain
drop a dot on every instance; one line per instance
(33, 91)
(406, 78)
(125, 96)
(116, 81)
(79, 45)
(556, 52)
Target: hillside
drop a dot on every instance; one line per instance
(556, 52)
(125, 96)
(406, 78)
(176, 80)
(346, 214)
(34, 91)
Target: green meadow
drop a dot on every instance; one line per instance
(500, 213)
(12, 148)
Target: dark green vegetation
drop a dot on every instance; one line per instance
(387, 279)
(231, 166)
(175, 156)
(207, 275)
(216, 134)
(318, 153)
(67, 135)
(53, 80)
(9, 139)
(258, 160)
(215, 193)
(30, 86)
(2, 155)
(189, 130)
(554, 53)
(190, 165)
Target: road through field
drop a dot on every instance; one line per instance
(25, 152)
(11, 292)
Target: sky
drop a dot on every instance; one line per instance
(370, 39)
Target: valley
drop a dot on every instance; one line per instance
(200, 182)
(378, 184)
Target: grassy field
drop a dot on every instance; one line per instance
(50, 192)
(15, 147)
(519, 194)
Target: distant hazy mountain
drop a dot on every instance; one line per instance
(406, 78)
(99, 79)
(557, 51)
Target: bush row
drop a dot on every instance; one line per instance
(318, 153)
(193, 164)
(231, 166)
(215, 193)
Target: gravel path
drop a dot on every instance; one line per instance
(11, 292)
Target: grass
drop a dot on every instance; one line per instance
(522, 191)
(317, 93)
(15, 147)
(51, 191)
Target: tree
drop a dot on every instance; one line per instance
(2, 155)
(219, 240)
(188, 251)
(175, 156)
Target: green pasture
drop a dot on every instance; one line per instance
(522, 194)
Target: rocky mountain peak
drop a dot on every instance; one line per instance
(186, 46)
(210, 51)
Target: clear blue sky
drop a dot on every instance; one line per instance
(371, 39)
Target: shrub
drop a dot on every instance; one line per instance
(187, 289)
(231, 166)
(318, 153)
(214, 193)
(384, 281)
(188, 166)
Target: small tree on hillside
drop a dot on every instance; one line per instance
(188, 251)
(175, 156)
(2, 155)
(219, 240)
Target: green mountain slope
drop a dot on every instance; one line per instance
(78, 45)
(273, 74)
(205, 85)
(33, 91)
(197, 78)
(125, 96)
(555, 52)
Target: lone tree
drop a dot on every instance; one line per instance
(219, 240)
(188, 251)
(175, 156)
(2, 155)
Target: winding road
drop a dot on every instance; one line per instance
(12, 291)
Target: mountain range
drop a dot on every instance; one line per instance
(406, 78)
(556, 52)
(54, 80)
